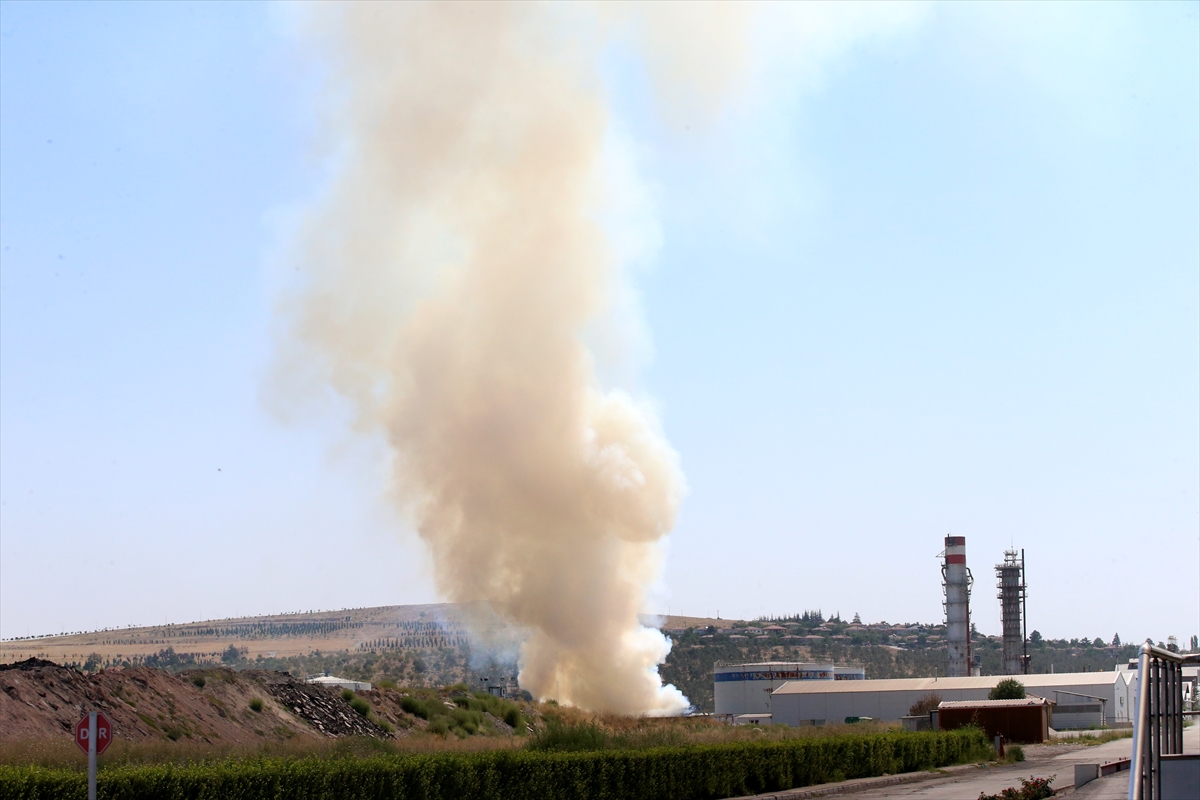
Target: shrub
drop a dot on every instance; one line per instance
(420, 708)
(199, 681)
(361, 706)
(563, 736)
(513, 718)
(926, 704)
(347, 695)
(256, 705)
(1008, 689)
(1031, 789)
(1016, 752)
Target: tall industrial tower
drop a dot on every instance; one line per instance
(1010, 580)
(956, 583)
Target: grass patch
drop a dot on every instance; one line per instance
(256, 705)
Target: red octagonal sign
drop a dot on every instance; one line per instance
(103, 732)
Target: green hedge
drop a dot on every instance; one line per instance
(669, 773)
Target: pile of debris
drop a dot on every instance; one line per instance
(321, 707)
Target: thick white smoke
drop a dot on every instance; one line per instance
(456, 268)
(452, 271)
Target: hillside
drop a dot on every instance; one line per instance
(432, 646)
(282, 636)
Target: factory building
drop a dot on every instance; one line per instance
(1086, 698)
(746, 688)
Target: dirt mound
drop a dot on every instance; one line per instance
(40, 698)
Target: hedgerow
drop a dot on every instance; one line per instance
(668, 773)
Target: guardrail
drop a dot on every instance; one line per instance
(1158, 726)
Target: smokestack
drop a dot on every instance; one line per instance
(1010, 579)
(956, 584)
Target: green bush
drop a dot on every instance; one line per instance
(199, 681)
(564, 737)
(256, 705)
(424, 709)
(668, 773)
(361, 706)
(1008, 689)
(1031, 789)
(513, 718)
(347, 695)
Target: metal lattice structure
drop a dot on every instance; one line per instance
(1010, 580)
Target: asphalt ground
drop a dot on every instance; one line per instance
(1055, 759)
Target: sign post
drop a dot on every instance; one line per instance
(93, 734)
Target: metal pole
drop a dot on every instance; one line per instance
(91, 755)
(1156, 709)
(1141, 718)
(1179, 710)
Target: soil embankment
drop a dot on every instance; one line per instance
(42, 699)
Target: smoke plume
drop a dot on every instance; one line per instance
(451, 274)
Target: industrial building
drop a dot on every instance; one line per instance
(1082, 699)
(746, 688)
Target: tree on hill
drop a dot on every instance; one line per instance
(1008, 689)
(1116, 640)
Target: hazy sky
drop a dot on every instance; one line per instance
(926, 270)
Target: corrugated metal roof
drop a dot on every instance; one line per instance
(1028, 701)
(934, 684)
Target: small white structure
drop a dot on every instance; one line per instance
(334, 682)
(752, 719)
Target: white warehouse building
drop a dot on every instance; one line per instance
(1083, 699)
(746, 688)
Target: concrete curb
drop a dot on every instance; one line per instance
(862, 784)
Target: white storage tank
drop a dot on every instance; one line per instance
(746, 688)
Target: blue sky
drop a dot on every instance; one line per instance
(932, 274)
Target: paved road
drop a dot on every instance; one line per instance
(967, 783)
(1042, 762)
